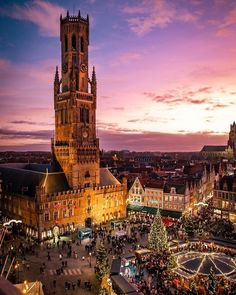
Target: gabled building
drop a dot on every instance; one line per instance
(176, 196)
(224, 197)
(159, 194)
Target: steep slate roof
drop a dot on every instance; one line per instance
(230, 181)
(214, 148)
(106, 178)
(18, 179)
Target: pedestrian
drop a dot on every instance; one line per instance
(27, 266)
(60, 256)
(78, 282)
(66, 285)
(73, 286)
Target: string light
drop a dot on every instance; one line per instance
(204, 256)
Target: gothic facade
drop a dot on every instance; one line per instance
(74, 191)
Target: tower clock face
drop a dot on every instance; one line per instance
(83, 68)
(85, 134)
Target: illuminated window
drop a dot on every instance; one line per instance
(46, 216)
(70, 212)
(64, 213)
(55, 215)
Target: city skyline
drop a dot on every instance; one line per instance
(166, 72)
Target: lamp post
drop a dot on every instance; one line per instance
(5, 229)
(109, 282)
(90, 261)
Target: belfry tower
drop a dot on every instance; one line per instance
(76, 147)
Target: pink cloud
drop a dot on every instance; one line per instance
(230, 18)
(150, 14)
(224, 32)
(126, 58)
(26, 93)
(43, 14)
(176, 96)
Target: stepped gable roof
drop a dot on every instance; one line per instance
(19, 179)
(214, 148)
(230, 181)
(107, 178)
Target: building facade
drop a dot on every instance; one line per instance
(224, 197)
(74, 191)
(159, 194)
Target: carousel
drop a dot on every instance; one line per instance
(194, 263)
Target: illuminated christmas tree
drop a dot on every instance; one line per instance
(157, 238)
(212, 281)
(101, 267)
(171, 261)
(103, 291)
(189, 226)
(193, 288)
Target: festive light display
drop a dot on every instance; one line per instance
(218, 260)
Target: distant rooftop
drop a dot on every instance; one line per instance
(214, 148)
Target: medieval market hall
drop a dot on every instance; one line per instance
(73, 191)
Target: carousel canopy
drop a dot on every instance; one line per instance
(196, 263)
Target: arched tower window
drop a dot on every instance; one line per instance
(73, 42)
(82, 44)
(66, 43)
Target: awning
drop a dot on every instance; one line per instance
(153, 210)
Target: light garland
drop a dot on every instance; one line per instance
(211, 256)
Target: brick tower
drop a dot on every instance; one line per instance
(232, 138)
(76, 147)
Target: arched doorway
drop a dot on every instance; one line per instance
(88, 222)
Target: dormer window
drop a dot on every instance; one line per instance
(173, 190)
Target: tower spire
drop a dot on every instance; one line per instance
(94, 80)
(56, 79)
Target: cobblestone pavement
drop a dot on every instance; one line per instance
(77, 268)
(80, 268)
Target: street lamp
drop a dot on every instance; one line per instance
(90, 262)
(17, 268)
(109, 282)
(5, 229)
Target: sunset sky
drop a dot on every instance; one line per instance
(166, 72)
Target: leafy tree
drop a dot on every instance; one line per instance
(157, 238)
